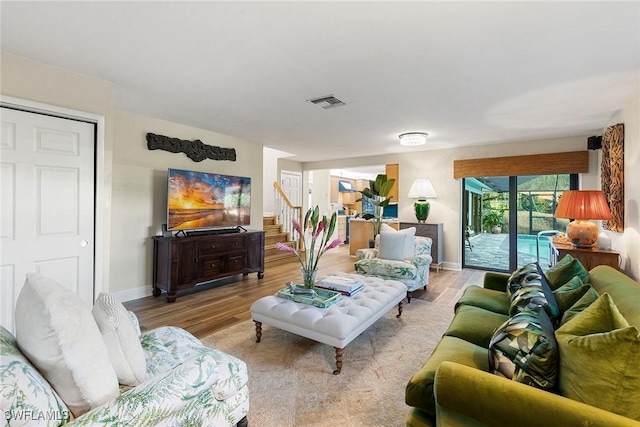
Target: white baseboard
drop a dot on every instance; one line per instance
(131, 294)
(451, 266)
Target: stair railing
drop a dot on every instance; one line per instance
(285, 212)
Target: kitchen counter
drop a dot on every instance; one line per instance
(361, 231)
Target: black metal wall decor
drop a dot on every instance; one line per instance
(195, 150)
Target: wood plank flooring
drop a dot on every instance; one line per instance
(216, 307)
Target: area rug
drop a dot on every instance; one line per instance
(291, 381)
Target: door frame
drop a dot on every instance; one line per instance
(99, 172)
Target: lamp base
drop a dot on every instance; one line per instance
(582, 233)
(422, 210)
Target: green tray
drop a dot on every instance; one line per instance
(324, 299)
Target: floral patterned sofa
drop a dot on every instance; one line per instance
(183, 383)
(411, 269)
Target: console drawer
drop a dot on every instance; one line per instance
(221, 244)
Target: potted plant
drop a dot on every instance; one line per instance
(378, 191)
(493, 220)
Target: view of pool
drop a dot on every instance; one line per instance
(491, 251)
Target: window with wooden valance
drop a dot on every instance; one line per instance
(534, 164)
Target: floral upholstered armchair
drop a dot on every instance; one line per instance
(68, 368)
(410, 267)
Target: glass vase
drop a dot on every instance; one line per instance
(308, 278)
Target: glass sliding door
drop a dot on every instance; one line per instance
(508, 221)
(535, 224)
(486, 223)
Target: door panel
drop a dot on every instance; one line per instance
(47, 222)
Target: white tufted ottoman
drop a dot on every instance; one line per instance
(338, 324)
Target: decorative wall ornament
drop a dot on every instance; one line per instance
(612, 175)
(195, 150)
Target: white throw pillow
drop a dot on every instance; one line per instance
(120, 336)
(410, 247)
(392, 245)
(56, 331)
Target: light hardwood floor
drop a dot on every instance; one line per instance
(215, 307)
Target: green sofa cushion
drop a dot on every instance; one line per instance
(624, 291)
(567, 268)
(475, 324)
(491, 300)
(419, 390)
(524, 349)
(599, 359)
(569, 293)
(589, 297)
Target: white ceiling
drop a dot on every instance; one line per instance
(465, 72)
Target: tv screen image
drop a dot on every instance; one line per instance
(206, 200)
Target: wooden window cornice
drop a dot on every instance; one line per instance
(534, 164)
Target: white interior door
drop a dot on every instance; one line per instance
(291, 184)
(47, 219)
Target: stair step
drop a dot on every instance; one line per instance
(279, 259)
(272, 229)
(272, 239)
(269, 220)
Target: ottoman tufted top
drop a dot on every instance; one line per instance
(338, 324)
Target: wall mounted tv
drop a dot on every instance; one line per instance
(198, 200)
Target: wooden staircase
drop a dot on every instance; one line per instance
(273, 233)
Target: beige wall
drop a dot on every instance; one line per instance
(134, 183)
(139, 191)
(628, 243)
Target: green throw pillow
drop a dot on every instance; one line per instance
(590, 296)
(599, 359)
(535, 294)
(524, 349)
(567, 268)
(567, 294)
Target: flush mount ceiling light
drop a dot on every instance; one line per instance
(413, 138)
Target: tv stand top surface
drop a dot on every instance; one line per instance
(212, 232)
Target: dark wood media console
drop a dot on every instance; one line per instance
(182, 262)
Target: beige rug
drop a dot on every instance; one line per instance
(291, 381)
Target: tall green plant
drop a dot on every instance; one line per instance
(378, 191)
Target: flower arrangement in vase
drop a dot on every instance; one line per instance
(315, 240)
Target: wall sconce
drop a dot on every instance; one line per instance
(581, 206)
(413, 138)
(422, 189)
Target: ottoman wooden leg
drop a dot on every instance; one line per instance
(258, 330)
(399, 309)
(338, 361)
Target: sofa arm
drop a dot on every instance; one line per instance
(421, 261)
(368, 253)
(463, 392)
(162, 399)
(495, 281)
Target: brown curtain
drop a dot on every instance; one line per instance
(612, 175)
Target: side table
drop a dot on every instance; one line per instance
(589, 258)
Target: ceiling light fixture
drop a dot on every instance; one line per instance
(413, 138)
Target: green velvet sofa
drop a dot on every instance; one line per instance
(455, 386)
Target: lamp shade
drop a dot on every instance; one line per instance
(583, 206)
(422, 189)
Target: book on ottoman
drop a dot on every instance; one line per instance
(344, 285)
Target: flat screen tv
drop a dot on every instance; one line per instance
(198, 200)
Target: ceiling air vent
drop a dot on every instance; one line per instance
(326, 102)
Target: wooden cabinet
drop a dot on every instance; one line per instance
(392, 170)
(589, 258)
(183, 262)
(333, 189)
(341, 228)
(360, 232)
(435, 232)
